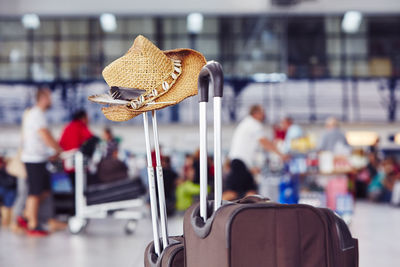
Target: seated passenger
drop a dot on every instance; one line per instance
(170, 180)
(187, 189)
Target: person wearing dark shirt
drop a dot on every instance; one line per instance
(170, 180)
(8, 186)
(111, 143)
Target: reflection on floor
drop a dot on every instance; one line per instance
(104, 244)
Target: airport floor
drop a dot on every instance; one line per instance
(104, 244)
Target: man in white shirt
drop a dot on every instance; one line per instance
(247, 138)
(38, 145)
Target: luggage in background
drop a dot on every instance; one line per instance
(289, 189)
(269, 186)
(111, 170)
(253, 231)
(396, 194)
(336, 186)
(315, 199)
(345, 206)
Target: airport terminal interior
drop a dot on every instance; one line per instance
(104, 123)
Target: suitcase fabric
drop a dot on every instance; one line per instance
(259, 234)
(172, 256)
(254, 231)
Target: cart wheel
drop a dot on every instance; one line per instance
(77, 225)
(130, 227)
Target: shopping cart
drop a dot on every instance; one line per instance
(118, 200)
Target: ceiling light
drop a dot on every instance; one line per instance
(194, 23)
(31, 21)
(360, 138)
(108, 22)
(351, 21)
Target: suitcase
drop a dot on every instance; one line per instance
(396, 194)
(336, 186)
(171, 256)
(254, 231)
(289, 189)
(165, 251)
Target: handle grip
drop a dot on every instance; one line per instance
(211, 71)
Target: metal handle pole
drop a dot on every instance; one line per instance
(203, 159)
(160, 183)
(210, 73)
(79, 183)
(152, 187)
(217, 154)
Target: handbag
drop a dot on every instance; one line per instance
(16, 167)
(7, 181)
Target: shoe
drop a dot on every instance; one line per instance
(22, 222)
(37, 232)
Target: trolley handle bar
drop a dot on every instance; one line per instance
(211, 71)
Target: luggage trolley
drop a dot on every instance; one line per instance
(130, 209)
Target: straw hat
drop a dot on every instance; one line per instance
(146, 78)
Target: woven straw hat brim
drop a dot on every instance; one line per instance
(184, 87)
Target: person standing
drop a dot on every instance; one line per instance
(73, 136)
(38, 145)
(247, 138)
(293, 132)
(112, 145)
(332, 136)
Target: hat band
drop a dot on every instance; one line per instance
(143, 99)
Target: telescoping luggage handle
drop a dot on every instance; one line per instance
(212, 74)
(161, 207)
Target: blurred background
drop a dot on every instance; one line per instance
(309, 60)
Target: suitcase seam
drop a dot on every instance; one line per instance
(299, 236)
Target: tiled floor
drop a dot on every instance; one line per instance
(104, 244)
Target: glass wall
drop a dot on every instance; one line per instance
(77, 49)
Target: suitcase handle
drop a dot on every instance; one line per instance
(211, 71)
(212, 74)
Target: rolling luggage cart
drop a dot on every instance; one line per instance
(121, 200)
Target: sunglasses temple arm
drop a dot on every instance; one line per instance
(152, 187)
(160, 183)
